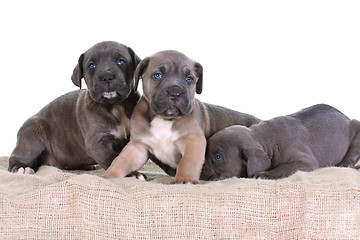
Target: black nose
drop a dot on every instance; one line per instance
(107, 77)
(174, 92)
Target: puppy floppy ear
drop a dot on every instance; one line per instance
(78, 72)
(257, 160)
(141, 67)
(199, 72)
(134, 58)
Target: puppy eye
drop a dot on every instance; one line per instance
(189, 79)
(157, 75)
(120, 62)
(91, 66)
(218, 157)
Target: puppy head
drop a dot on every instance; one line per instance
(108, 69)
(170, 80)
(233, 152)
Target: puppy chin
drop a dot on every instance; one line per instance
(172, 112)
(113, 96)
(110, 95)
(169, 111)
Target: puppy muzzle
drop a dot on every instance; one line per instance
(110, 89)
(172, 101)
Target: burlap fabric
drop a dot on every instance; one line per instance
(55, 204)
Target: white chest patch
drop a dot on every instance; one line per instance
(162, 142)
(122, 130)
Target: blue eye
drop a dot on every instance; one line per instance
(120, 62)
(158, 75)
(91, 66)
(218, 157)
(189, 79)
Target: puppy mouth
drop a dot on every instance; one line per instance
(172, 111)
(170, 108)
(110, 95)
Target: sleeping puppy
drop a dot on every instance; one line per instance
(318, 136)
(84, 127)
(169, 124)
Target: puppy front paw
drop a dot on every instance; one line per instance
(263, 175)
(113, 143)
(108, 174)
(346, 164)
(26, 170)
(271, 175)
(138, 175)
(178, 180)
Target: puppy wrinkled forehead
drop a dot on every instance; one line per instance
(231, 135)
(108, 48)
(171, 60)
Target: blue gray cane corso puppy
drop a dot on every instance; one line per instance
(316, 137)
(84, 127)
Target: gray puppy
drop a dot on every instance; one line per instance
(315, 137)
(84, 127)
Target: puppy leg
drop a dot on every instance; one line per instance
(27, 155)
(131, 158)
(300, 162)
(104, 148)
(190, 166)
(353, 153)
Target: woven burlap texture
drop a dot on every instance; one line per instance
(56, 204)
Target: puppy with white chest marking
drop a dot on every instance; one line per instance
(169, 124)
(84, 127)
(315, 137)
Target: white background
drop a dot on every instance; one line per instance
(267, 58)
